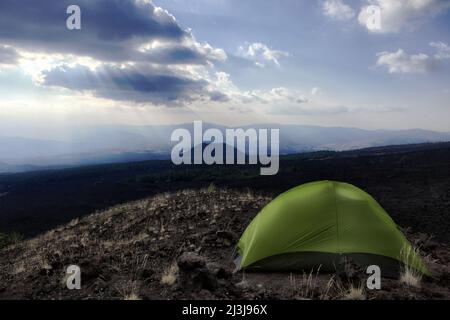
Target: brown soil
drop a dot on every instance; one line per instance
(179, 246)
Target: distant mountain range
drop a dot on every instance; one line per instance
(135, 143)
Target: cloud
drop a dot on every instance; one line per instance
(158, 60)
(184, 51)
(284, 95)
(402, 14)
(111, 30)
(309, 110)
(139, 84)
(337, 10)
(261, 54)
(316, 91)
(401, 62)
(250, 98)
(8, 55)
(443, 50)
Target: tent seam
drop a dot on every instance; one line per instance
(337, 219)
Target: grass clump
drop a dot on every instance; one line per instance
(310, 286)
(355, 293)
(409, 275)
(211, 188)
(170, 276)
(350, 291)
(7, 239)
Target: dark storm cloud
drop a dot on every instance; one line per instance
(111, 30)
(175, 54)
(8, 55)
(218, 96)
(128, 84)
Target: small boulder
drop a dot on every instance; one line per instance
(195, 274)
(190, 261)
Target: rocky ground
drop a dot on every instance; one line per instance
(179, 245)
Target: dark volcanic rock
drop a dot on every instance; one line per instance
(195, 274)
(190, 261)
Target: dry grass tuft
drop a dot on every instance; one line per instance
(411, 278)
(310, 286)
(128, 290)
(170, 276)
(355, 293)
(350, 291)
(409, 275)
(132, 296)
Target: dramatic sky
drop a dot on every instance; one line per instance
(226, 61)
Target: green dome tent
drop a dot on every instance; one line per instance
(319, 223)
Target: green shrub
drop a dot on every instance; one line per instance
(211, 188)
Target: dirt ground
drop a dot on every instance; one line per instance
(180, 245)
